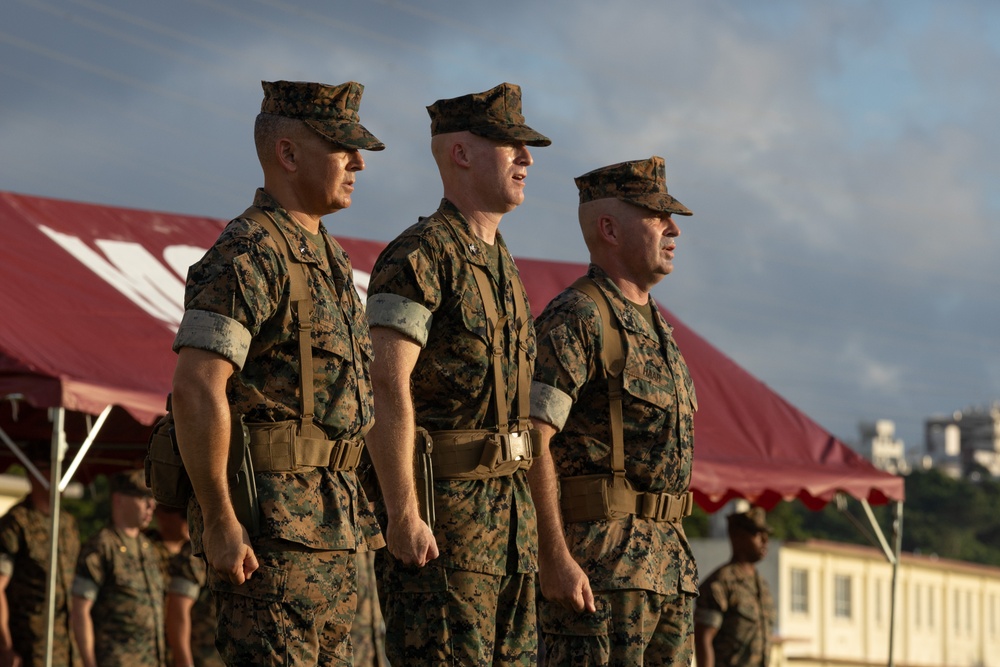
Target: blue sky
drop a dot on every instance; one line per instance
(841, 157)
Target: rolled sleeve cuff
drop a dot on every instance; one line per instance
(397, 312)
(85, 588)
(210, 331)
(550, 405)
(184, 587)
(6, 565)
(708, 617)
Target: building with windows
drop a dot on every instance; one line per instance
(965, 442)
(834, 606)
(880, 445)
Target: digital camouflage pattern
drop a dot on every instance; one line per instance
(331, 111)
(188, 576)
(421, 286)
(469, 619)
(494, 114)
(368, 630)
(296, 610)
(24, 557)
(629, 628)
(738, 603)
(242, 281)
(639, 182)
(123, 579)
(570, 391)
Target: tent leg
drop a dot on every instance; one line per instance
(58, 417)
(897, 539)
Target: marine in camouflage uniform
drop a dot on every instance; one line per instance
(289, 596)
(465, 593)
(735, 614)
(619, 587)
(190, 606)
(24, 565)
(368, 631)
(119, 586)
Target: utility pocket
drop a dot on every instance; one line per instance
(165, 473)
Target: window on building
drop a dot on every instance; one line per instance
(956, 605)
(917, 606)
(878, 602)
(800, 591)
(842, 596)
(930, 608)
(968, 613)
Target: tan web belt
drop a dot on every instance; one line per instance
(595, 497)
(478, 454)
(279, 447)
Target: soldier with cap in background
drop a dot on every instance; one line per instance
(274, 335)
(24, 567)
(614, 404)
(191, 619)
(735, 614)
(118, 591)
(453, 344)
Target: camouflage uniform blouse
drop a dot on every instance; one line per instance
(570, 392)
(122, 577)
(189, 577)
(740, 606)
(237, 305)
(423, 287)
(24, 557)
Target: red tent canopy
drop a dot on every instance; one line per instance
(92, 296)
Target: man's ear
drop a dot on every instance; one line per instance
(285, 151)
(460, 154)
(609, 229)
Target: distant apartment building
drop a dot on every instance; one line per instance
(880, 445)
(965, 442)
(834, 605)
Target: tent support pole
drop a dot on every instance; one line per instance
(897, 539)
(92, 433)
(58, 418)
(23, 458)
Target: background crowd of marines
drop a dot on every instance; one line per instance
(522, 489)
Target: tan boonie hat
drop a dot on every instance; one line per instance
(754, 520)
(639, 182)
(494, 114)
(131, 483)
(331, 111)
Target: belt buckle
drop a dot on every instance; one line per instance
(664, 504)
(519, 446)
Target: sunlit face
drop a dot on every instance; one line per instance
(750, 547)
(647, 243)
(326, 174)
(134, 511)
(500, 169)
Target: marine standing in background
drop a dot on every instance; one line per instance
(24, 567)
(614, 404)
(118, 591)
(735, 614)
(191, 619)
(275, 333)
(453, 346)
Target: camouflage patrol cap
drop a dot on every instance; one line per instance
(754, 520)
(494, 114)
(131, 483)
(331, 111)
(639, 182)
